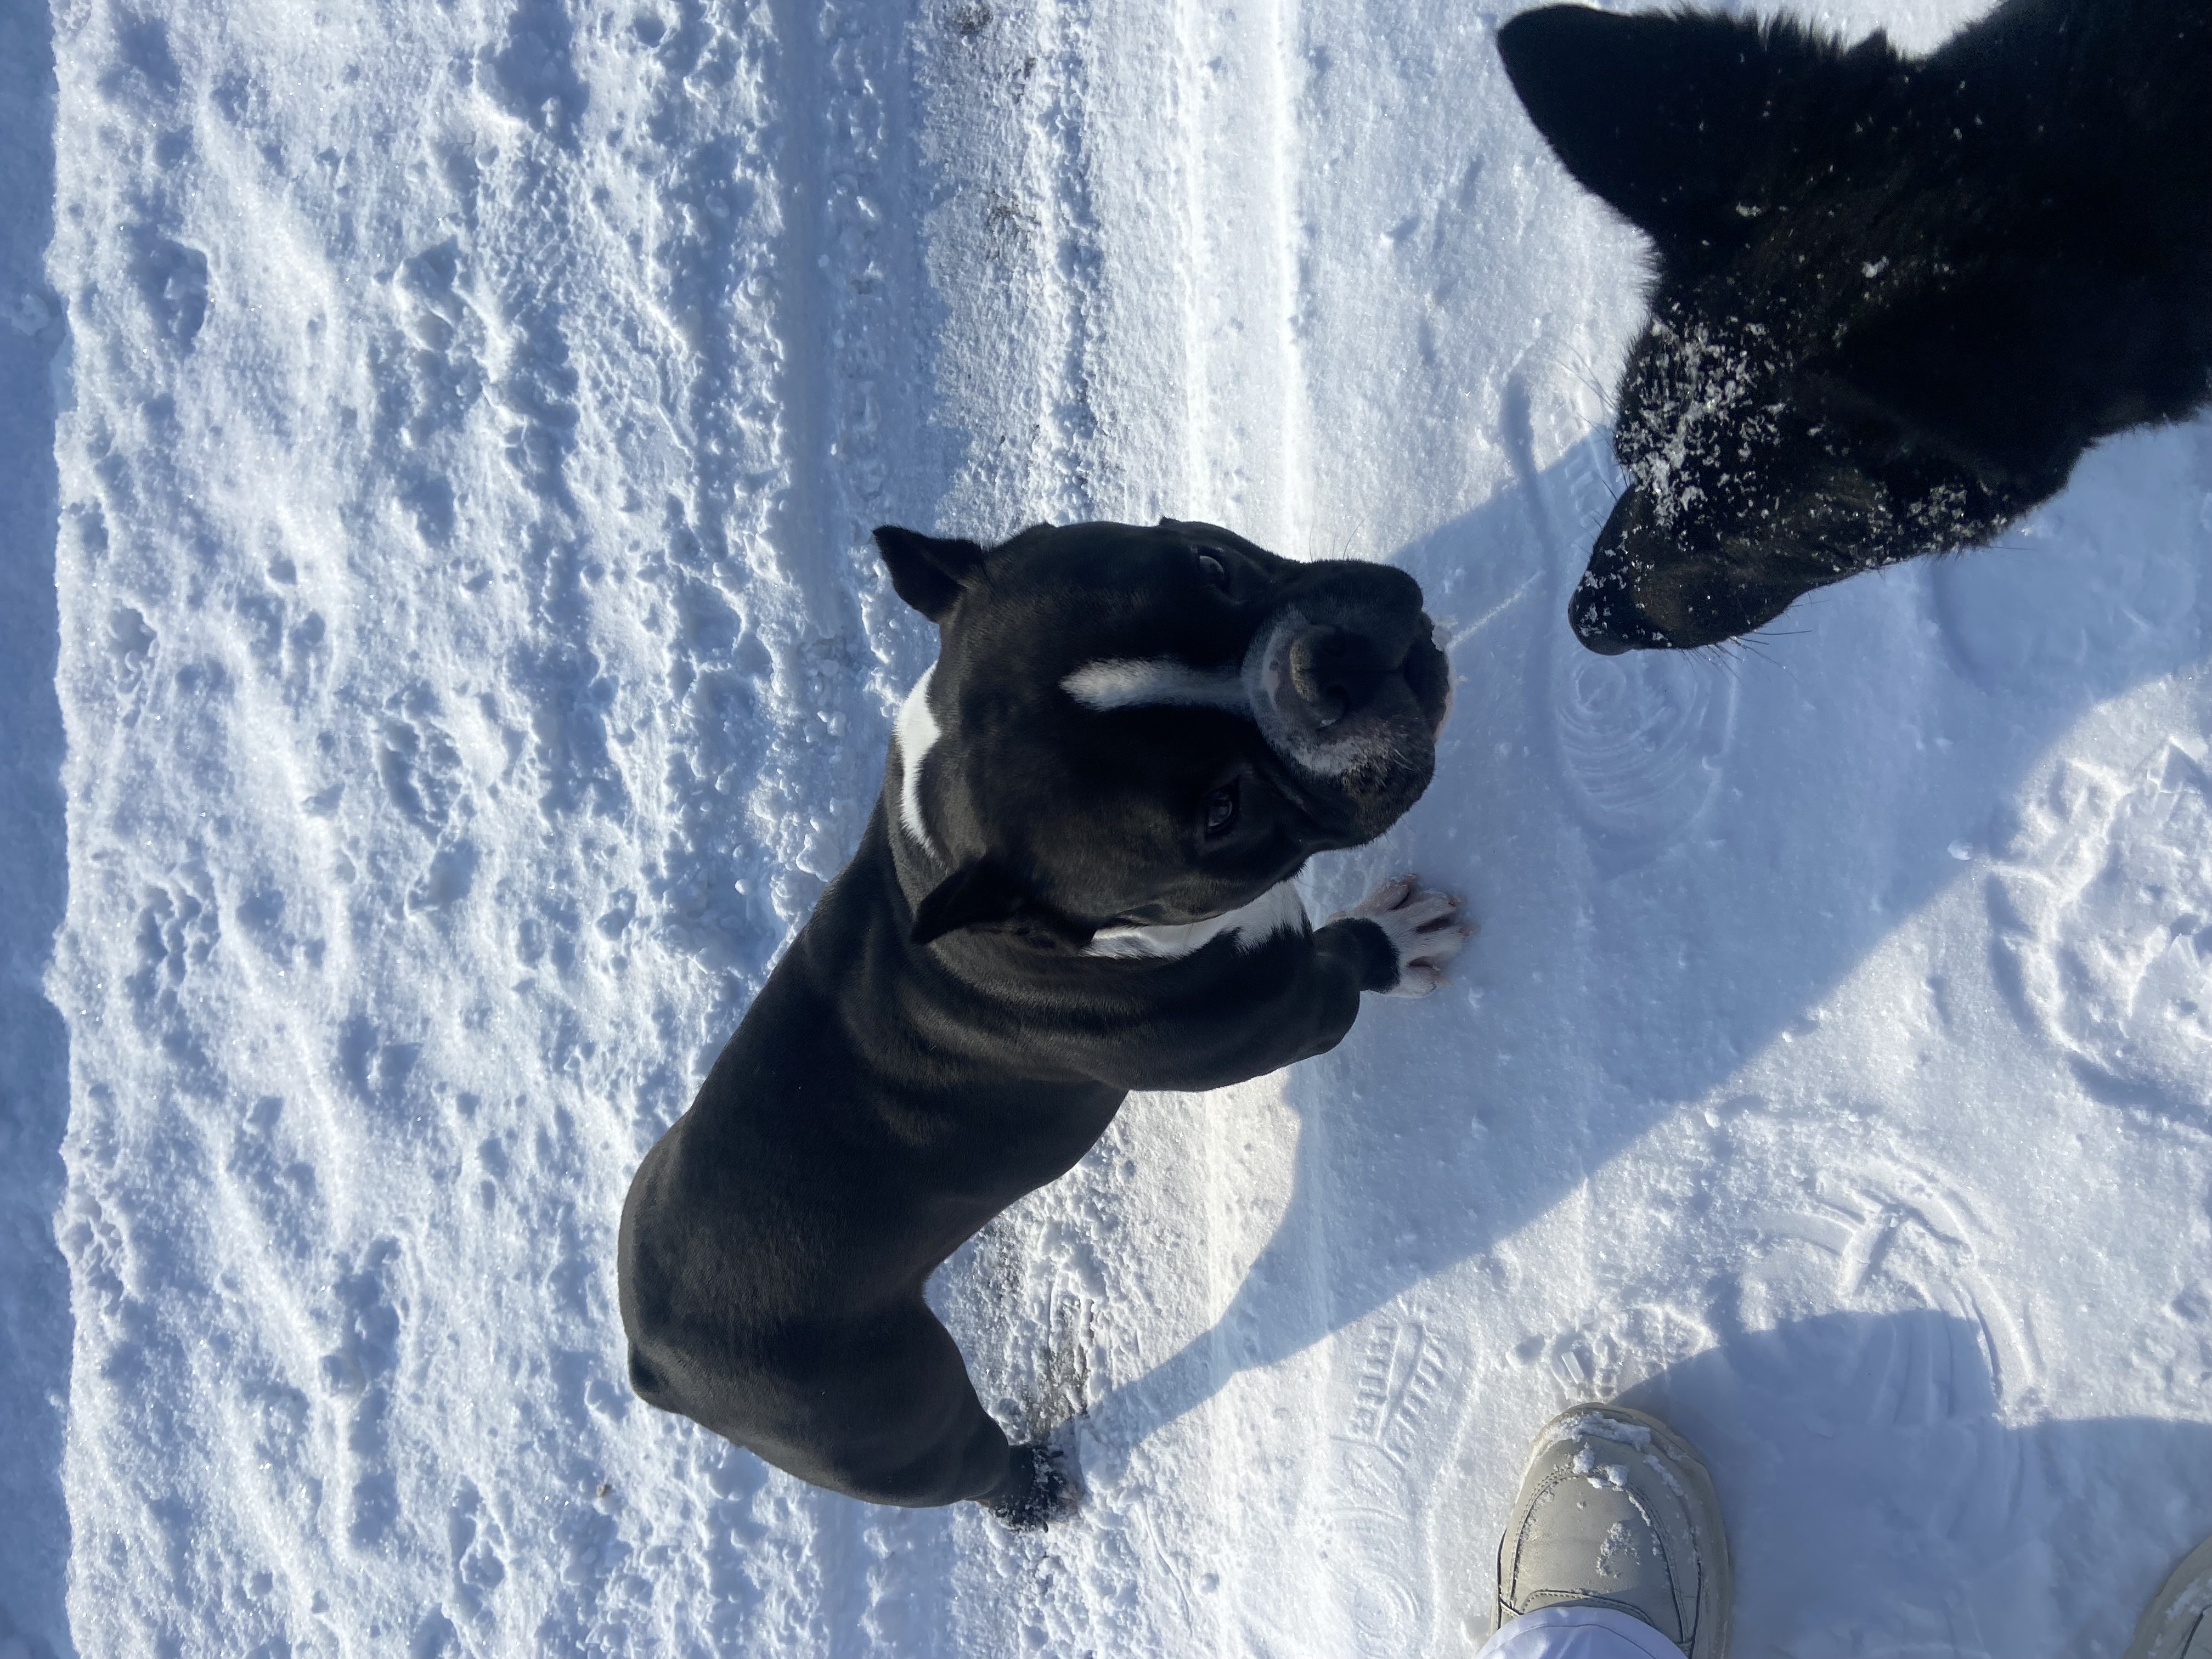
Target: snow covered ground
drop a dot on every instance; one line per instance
(465, 422)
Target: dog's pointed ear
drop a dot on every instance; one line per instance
(984, 893)
(1666, 116)
(927, 571)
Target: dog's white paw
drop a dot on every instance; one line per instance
(1423, 928)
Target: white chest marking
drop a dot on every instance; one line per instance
(916, 732)
(1278, 910)
(1133, 683)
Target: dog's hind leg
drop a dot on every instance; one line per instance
(882, 1410)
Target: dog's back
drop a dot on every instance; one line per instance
(2102, 100)
(2084, 187)
(2130, 70)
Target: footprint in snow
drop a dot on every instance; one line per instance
(2103, 916)
(1640, 739)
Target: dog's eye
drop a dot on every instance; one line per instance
(1213, 570)
(1221, 810)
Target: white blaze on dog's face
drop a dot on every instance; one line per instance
(1146, 728)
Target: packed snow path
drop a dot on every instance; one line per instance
(466, 421)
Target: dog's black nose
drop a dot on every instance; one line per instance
(1336, 671)
(1605, 611)
(1588, 614)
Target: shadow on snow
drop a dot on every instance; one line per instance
(35, 1298)
(1673, 860)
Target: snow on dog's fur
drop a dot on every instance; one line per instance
(1894, 299)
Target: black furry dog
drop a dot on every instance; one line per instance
(1077, 883)
(1895, 298)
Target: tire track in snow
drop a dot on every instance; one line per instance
(715, 211)
(880, 1575)
(793, 288)
(1017, 250)
(1071, 450)
(726, 558)
(1031, 248)
(1159, 392)
(1247, 288)
(1192, 1484)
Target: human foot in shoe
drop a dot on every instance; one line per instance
(2178, 1624)
(1616, 1511)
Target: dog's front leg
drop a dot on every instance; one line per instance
(1421, 929)
(1289, 999)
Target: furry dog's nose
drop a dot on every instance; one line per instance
(1588, 614)
(1605, 616)
(1604, 612)
(1336, 671)
(1589, 622)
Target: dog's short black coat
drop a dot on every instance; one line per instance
(1894, 299)
(1131, 739)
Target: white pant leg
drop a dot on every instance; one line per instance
(1577, 1633)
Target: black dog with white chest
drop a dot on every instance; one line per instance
(1895, 298)
(1076, 882)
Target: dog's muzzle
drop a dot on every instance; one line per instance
(1328, 696)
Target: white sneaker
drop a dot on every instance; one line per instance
(2178, 1623)
(1616, 1511)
